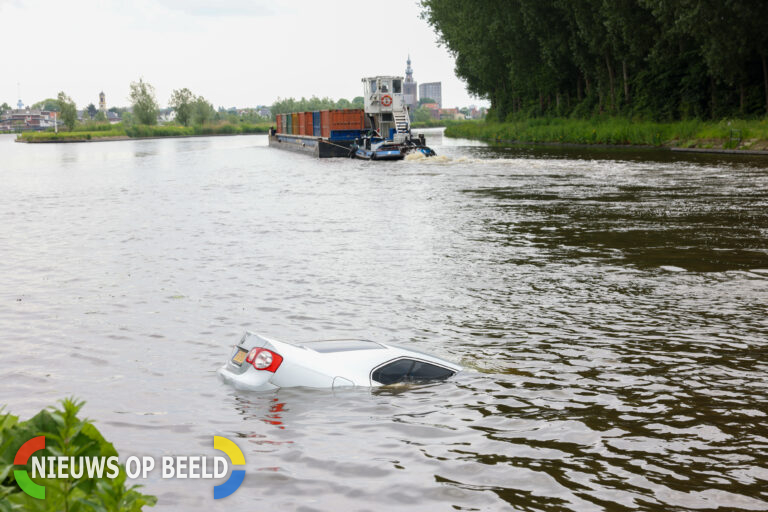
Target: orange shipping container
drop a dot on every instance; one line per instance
(349, 119)
(295, 123)
(279, 120)
(308, 123)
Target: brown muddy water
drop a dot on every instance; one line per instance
(610, 308)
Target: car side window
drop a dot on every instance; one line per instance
(391, 373)
(426, 371)
(408, 370)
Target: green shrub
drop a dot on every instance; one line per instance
(92, 126)
(170, 130)
(64, 136)
(143, 130)
(255, 128)
(437, 123)
(611, 130)
(65, 435)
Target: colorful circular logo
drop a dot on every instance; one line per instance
(237, 476)
(21, 475)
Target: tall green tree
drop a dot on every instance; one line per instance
(492, 50)
(752, 22)
(68, 110)
(631, 30)
(659, 59)
(143, 100)
(202, 111)
(91, 109)
(4, 108)
(182, 101)
(421, 115)
(50, 104)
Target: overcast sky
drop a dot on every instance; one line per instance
(232, 52)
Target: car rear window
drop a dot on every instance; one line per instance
(409, 370)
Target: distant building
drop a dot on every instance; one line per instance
(103, 102)
(409, 87)
(27, 119)
(265, 112)
(166, 115)
(451, 113)
(432, 90)
(476, 113)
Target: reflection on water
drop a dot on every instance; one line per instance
(609, 306)
(712, 226)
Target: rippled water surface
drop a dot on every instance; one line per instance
(610, 308)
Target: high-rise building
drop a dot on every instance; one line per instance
(409, 87)
(433, 90)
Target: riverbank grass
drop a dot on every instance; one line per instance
(726, 134)
(92, 131)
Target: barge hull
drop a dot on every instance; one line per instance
(316, 146)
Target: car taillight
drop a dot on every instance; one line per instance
(264, 359)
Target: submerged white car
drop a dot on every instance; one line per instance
(258, 363)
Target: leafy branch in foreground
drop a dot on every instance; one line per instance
(66, 436)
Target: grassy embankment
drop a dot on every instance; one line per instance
(93, 131)
(733, 134)
(433, 123)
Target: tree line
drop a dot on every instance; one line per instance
(655, 59)
(288, 105)
(144, 108)
(190, 109)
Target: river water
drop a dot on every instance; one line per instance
(609, 307)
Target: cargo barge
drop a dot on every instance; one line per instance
(381, 130)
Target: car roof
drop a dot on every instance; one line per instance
(343, 345)
(372, 352)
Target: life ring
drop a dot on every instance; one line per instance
(386, 100)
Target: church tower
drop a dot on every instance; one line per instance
(408, 70)
(409, 87)
(102, 102)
